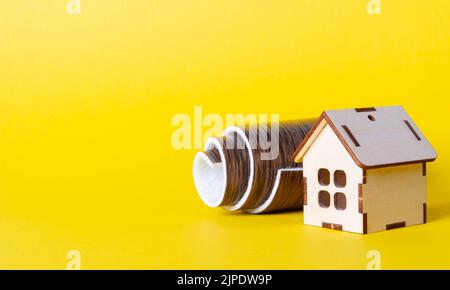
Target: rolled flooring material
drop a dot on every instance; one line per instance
(253, 170)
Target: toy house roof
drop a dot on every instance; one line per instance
(374, 137)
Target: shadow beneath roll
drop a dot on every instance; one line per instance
(280, 212)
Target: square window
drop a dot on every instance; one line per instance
(323, 176)
(340, 201)
(324, 199)
(340, 179)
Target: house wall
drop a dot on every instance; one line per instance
(328, 152)
(393, 195)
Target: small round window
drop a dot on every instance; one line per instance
(340, 201)
(340, 179)
(324, 176)
(324, 199)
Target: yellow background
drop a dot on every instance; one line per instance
(86, 101)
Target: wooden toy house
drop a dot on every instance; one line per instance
(364, 170)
